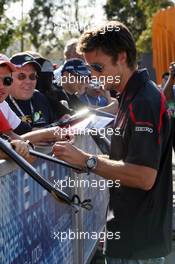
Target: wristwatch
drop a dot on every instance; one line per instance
(91, 163)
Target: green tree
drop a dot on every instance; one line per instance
(7, 28)
(144, 42)
(129, 13)
(46, 26)
(39, 26)
(51, 22)
(137, 16)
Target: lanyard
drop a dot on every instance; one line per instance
(23, 116)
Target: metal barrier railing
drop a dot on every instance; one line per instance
(34, 227)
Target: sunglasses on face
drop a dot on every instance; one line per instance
(7, 80)
(96, 67)
(22, 76)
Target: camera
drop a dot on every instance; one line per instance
(96, 85)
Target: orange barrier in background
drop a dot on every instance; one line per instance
(163, 40)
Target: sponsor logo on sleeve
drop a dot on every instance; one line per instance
(144, 129)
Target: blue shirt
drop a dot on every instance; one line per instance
(94, 100)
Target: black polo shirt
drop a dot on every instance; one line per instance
(73, 100)
(143, 217)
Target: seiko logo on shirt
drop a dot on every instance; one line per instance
(144, 129)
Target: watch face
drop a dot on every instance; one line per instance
(91, 162)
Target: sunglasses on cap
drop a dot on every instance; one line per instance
(7, 80)
(22, 76)
(96, 67)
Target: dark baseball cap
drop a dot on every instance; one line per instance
(21, 59)
(76, 66)
(46, 65)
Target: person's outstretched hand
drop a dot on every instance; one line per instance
(69, 153)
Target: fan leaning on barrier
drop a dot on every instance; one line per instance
(58, 194)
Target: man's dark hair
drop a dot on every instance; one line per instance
(112, 38)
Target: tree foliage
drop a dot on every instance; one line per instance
(7, 28)
(47, 25)
(40, 25)
(129, 13)
(137, 16)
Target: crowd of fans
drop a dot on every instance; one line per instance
(34, 93)
(39, 93)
